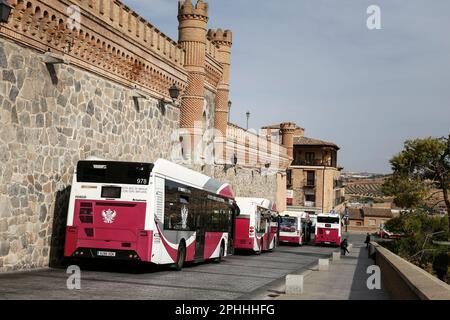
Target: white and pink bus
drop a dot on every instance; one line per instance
(257, 226)
(293, 227)
(328, 229)
(161, 213)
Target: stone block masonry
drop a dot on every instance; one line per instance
(49, 119)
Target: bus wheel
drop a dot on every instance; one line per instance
(181, 257)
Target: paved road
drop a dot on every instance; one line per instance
(238, 277)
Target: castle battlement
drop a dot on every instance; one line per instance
(186, 10)
(220, 37)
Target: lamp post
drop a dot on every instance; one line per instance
(5, 11)
(248, 117)
(229, 110)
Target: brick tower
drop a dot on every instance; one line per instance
(223, 40)
(287, 135)
(193, 20)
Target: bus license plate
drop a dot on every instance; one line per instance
(106, 254)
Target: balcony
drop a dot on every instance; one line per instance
(312, 163)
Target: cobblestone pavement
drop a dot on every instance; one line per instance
(237, 277)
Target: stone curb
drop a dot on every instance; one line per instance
(8, 273)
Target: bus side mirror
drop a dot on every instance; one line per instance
(236, 209)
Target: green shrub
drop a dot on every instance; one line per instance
(418, 247)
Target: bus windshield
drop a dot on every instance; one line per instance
(332, 220)
(288, 224)
(114, 172)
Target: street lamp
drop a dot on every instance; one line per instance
(5, 11)
(248, 117)
(229, 110)
(174, 92)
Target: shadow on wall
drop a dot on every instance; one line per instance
(57, 259)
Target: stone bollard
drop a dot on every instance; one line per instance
(294, 284)
(336, 256)
(324, 264)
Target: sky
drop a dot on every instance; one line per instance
(315, 63)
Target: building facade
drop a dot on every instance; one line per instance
(367, 219)
(82, 78)
(313, 182)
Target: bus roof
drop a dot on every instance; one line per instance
(329, 214)
(265, 203)
(196, 179)
(181, 175)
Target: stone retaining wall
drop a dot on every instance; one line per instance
(405, 281)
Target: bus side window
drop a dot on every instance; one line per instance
(171, 216)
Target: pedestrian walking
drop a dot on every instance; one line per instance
(344, 245)
(367, 242)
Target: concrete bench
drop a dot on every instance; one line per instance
(336, 256)
(324, 264)
(294, 284)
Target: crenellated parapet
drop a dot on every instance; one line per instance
(221, 38)
(102, 36)
(188, 11)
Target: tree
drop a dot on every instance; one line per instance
(423, 165)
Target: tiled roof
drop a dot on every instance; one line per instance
(360, 214)
(355, 214)
(377, 212)
(364, 189)
(276, 126)
(305, 141)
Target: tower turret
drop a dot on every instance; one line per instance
(223, 40)
(287, 135)
(192, 28)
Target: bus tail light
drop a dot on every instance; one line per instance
(252, 230)
(143, 233)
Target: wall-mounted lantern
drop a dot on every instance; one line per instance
(174, 92)
(5, 11)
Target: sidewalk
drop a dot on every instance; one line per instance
(345, 280)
